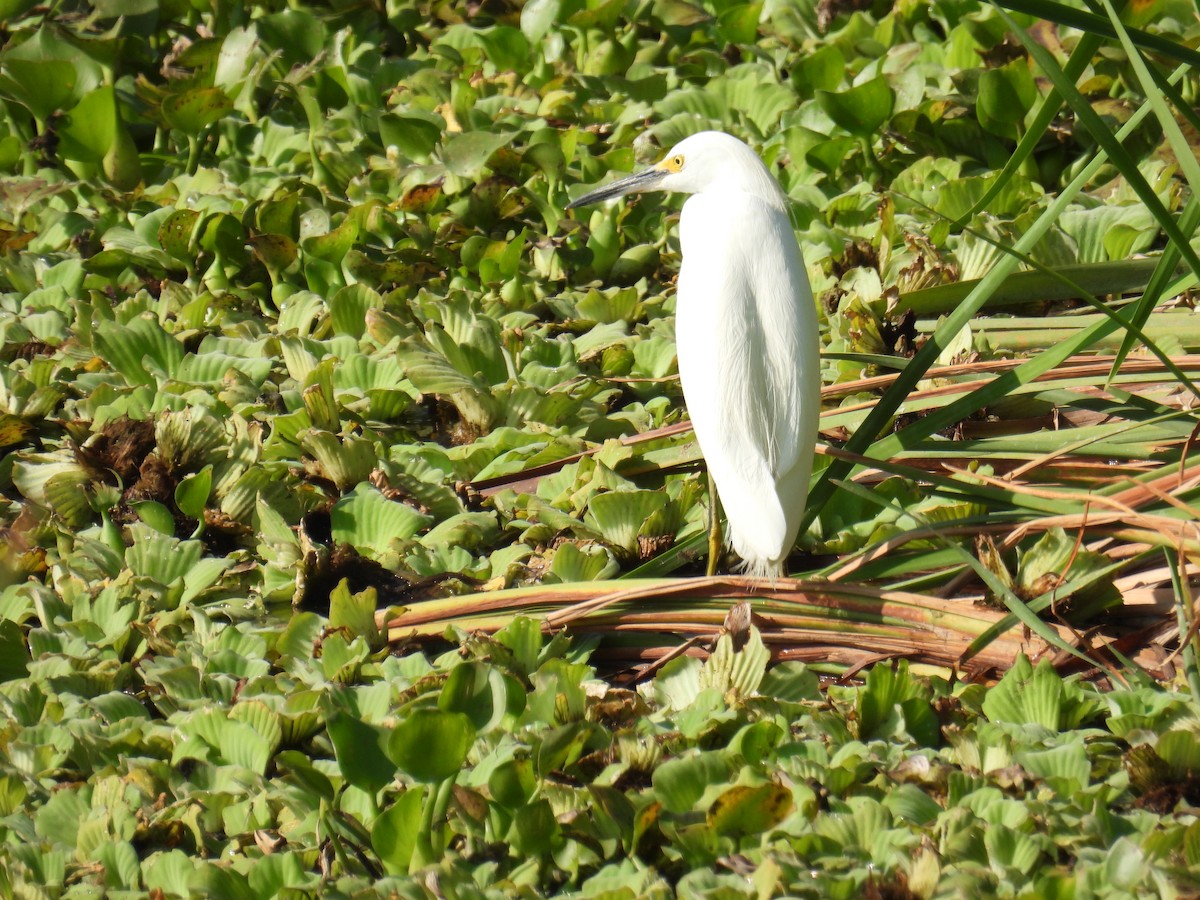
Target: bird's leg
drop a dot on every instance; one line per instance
(714, 527)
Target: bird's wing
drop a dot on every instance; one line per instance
(746, 332)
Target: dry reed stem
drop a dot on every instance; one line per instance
(832, 620)
(793, 616)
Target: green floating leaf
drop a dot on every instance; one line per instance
(298, 34)
(156, 515)
(679, 783)
(170, 872)
(1054, 561)
(741, 670)
(212, 880)
(482, 693)
(743, 810)
(1125, 866)
(862, 109)
(120, 861)
(1180, 749)
(432, 373)
(177, 234)
(829, 155)
(14, 657)
(619, 515)
(274, 872)
(192, 493)
(41, 86)
(1008, 848)
(523, 636)
(865, 827)
(1006, 95)
(468, 530)
(539, 16)
(238, 743)
(679, 13)
(67, 493)
(415, 137)
(1037, 696)
(1065, 767)
(564, 746)
(739, 24)
(396, 831)
(573, 562)
(466, 154)
(893, 700)
(223, 236)
(431, 744)
(791, 681)
(345, 461)
(534, 831)
(193, 110)
(821, 70)
(368, 521)
(47, 73)
(348, 309)
(91, 130)
(161, 557)
(333, 246)
(512, 783)
(1025, 697)
(912, 804)
(505, 47)
(59, 818)
(141, 350)
(755, 743)
(299, 766)
(359, 748)
(355, 612)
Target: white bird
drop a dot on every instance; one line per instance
(746, 335)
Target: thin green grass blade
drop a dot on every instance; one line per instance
(1077, 290)
(1169, 90)
(1139, 314)
(1104, 137)
(864, 437)
(1037, 604)
(1091, 23)
(1184, 615)
(1165, 115)
(867, 359)
(1080, 59)
(1189, 219)
(1022, 613)
(910, 565)
(1152, 89)
(1017, 607)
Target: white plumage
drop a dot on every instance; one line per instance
(746, 332)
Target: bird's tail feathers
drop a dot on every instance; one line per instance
(760, 567)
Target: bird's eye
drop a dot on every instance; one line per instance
(677, 162)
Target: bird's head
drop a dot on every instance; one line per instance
(706, 161)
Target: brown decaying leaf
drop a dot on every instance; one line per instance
(119, 448)
(324, 571)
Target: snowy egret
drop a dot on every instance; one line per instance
(746, 335)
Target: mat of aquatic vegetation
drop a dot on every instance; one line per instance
(255, 760)
(289, 305)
